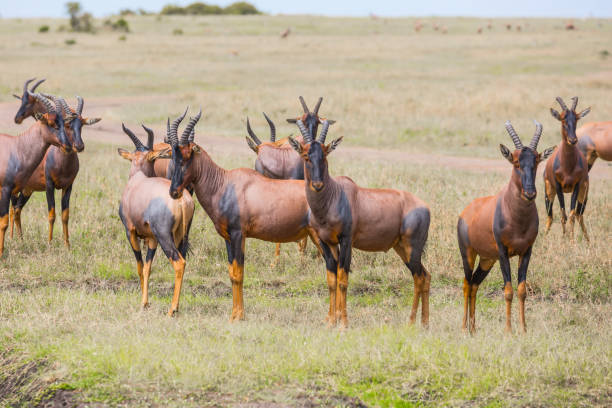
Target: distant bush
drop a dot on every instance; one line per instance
(43, 29)
(120, 25)
(177, 31)
(126, 12)
(79, 21)
(241, 7)
(199, 8)
(70, 41)
(122, 38)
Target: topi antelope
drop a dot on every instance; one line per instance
(20, 155)
(500, 227)
(149, 213)
(57, 170)
(241, 204)
(29, 104)
(347, 216)
(595, 140)
(567, 170)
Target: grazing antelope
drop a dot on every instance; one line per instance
(20, 155)
(29, 104)
(347, 216)
(149, 213)
(567, 170)
(595, 140)
(57, 170)
(500, 227)
(276, 159)
(241, 204)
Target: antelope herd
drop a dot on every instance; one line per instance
(291, 196)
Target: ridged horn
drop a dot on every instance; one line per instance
(305, 133)
(80, 103)
(561, 103)
(323, 133)
(40, 81)
(25, 85)
(189, 128)
(252, 134)
(536, 136)
(517, 141)
(316, 109)
(135, 140)
(171, 137)
(574, 103)
(46, 102)
(191, 136)
(167, 137)
(306, 111)
(272, 128)
(150, 136)
(175, 124)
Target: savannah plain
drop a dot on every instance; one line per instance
(420, 111)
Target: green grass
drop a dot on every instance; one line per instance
(70, 320)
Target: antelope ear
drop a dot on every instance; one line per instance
(196, 148)
(332, 146)
(17, 96)
(297, 146)
(251, 144)
(159, 154)
(91, 121)
(547, 152)
(290, 120)
(584, 113)
(125, 154)
(506, 153)
(555, 114)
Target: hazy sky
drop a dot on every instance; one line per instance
(485, 8)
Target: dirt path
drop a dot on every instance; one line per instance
(109, 132)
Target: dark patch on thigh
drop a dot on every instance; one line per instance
(229, 209)
(345, 215)
(417, 222)
(157, 213)
(462, 233)
(12, 170)
(498, 222)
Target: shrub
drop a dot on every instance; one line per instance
(241, 7)
(202, 9)
(172, 10)
(177, 31)
(43, 29)
(79, 21)
(126, 12)
(70, 41)
(122, 38)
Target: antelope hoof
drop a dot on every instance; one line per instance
(172, 312)
(145, 306)
(331, 322)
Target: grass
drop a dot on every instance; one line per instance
(70, 319)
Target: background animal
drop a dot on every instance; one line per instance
(567, 170)
(595, 140)
(149, 213)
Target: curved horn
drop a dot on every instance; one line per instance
(46, 102)
(175, 125)
(135, 140)
(25, 86)
(171, 137)
(574, 103)
(305, 133)
(323, 133)
(316, 109)
(306, 111)
(68, 113)
(80, 104)
(252, 134)
(190, 126)
(272, 128)
(517, 142)
(561, 103)
(40, 81)
(536, 135)
(191, 136)
(150, 136)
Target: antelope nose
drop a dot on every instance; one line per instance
(174, 194)
(317, 185)
(530, 195)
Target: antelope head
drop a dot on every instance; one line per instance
(568, 119)
(75, 120)
(525, 160)
(143, 157)
(28, 102)
(183, 151)
(53, 118)
(311, 119)
(314, 153)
